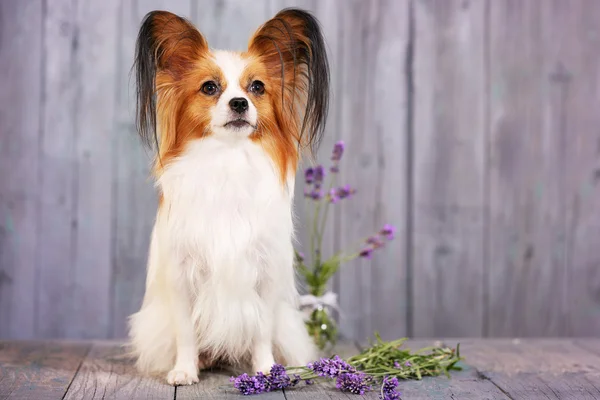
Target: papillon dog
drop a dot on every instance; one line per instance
(230, 129)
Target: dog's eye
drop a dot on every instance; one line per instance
(209, 88)
(257, 87)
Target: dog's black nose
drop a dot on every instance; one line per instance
(238, 104)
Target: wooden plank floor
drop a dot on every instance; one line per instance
(494, 369)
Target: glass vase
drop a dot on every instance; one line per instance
(322, 328)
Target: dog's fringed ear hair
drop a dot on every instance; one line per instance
(166, 44)
(291, 45)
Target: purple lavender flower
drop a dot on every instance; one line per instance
(316, 194)
(330, 367)
(356, 382)
(375, 242)
(407, 364)
(262, 381)
(388, 389)
(338, 150)
(319, 172)
(309, 381)
(309, 175)
(333, 196)
(334, 169)
(345, 191)
(248, 385)
(366, 253)
(397, 365)
(336, 194)
(388, 231)
(295, 380)
(299, 256)
(278, 378)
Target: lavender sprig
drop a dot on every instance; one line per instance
(330, 367)
(321, 196)
(336, 156)
(383, 358)
(260, 383)
(388, 389)
(354, 382)
(383, 364)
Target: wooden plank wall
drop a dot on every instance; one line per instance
(472, 125)
(449, 137)
(372, 103)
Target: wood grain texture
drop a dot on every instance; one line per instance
(215, 385)
(20, 108)
(95, 71)
(578, 105)
(352, 285)
(539, 356)
(135, 197)
(383, 154)
(528, 234)
(494, 369)
(229, 24)
(321, 390)
(592, 345)
(532, 369)
(465, 384)
(38, 370)
(107, 373)
(449, 168)
(372, 123)
(58, 223)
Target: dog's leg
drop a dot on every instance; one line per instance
(293, 345)
(262, 346)
(262, 354)
(152, 332)
(205, 362)
(185, 371)
(291, 338)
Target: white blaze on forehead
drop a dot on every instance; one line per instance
(232, 65)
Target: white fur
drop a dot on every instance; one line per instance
(220, 277)
(232, 66)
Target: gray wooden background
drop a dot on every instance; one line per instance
(473, 126)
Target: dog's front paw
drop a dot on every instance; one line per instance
(264, 368)
(179, 377)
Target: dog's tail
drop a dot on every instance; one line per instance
(151, 339)
(151, 330)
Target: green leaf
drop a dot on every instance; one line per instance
(378, 360)
(303, 269)
(329, 268)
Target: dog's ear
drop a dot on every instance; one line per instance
(292, 48)
(167, 44)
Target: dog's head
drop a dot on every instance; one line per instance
(275, 93)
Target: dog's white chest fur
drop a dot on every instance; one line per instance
(225, 200)
(224, 233)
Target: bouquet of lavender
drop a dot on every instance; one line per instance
(379, 367)
(317, 304)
